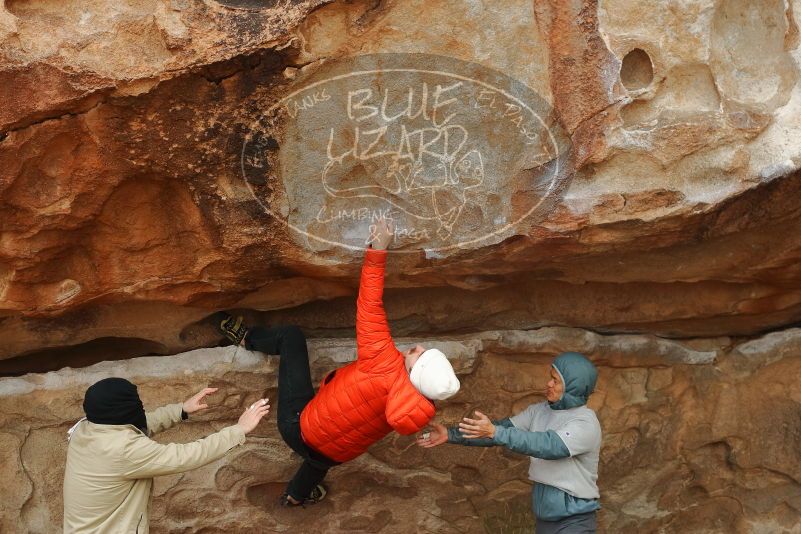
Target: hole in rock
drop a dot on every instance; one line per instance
(263, 495)
(367, 523)
(82, 355)
(18, 8)
(268, 496)
(636, 71)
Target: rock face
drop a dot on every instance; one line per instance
(698, 437)
(626, 167)
(150, 166)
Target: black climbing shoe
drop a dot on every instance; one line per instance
(316, 495)
(233, 328)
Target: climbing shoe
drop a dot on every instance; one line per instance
(233, 328)
(316, 495)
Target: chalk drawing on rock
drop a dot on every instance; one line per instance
(455, 154)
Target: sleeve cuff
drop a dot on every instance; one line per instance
(175, 412)
(453, 436)
(375, 257)
(238, 434)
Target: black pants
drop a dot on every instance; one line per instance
(295, 390)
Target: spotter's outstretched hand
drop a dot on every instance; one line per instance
(250, 419)
(195, 402)
(481, 427)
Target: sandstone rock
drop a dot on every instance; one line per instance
(691, 444)
(122, 167)
(163, 160)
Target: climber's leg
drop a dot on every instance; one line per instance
(295, 388)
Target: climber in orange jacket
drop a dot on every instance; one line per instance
(358, 404)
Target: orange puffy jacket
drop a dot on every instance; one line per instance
(362, 402)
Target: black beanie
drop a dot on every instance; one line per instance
(114, 401)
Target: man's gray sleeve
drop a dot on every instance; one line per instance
(546, 445)
(456, 437)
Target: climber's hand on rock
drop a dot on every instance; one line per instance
(381, 234)
(253, 414)
(436, 435)
(196, 402)
(480, 427)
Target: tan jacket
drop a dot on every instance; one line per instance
(110, 469)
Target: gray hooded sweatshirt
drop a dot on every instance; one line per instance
(563, 439)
